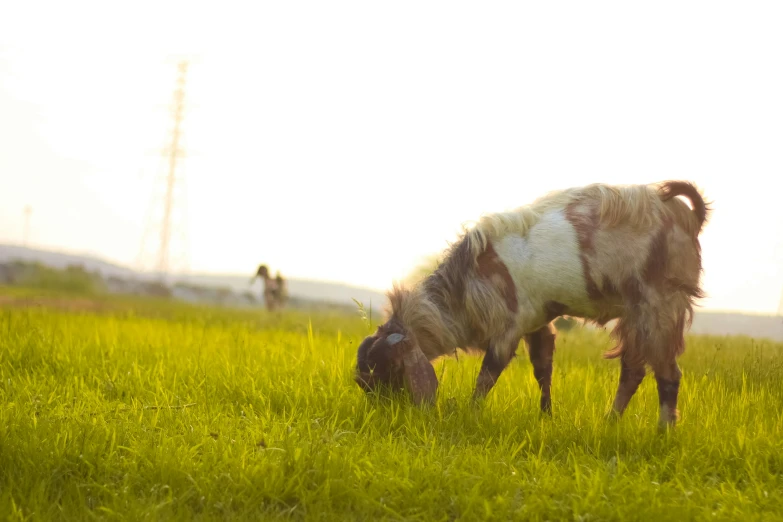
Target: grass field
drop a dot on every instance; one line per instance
(168, 412)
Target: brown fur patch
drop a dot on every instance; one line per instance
(585, 225)
(553, 309)
(658, 256)
(632, 291)
(491, 267)
(609, 289)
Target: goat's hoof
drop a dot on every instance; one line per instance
(665, 425)
(479, 394)
(668, 420)
(613, 416)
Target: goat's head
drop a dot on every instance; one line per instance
(392, 358)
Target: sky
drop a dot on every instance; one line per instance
(346, 141)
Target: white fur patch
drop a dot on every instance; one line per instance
(545, 266)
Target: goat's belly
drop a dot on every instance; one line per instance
(546, 268)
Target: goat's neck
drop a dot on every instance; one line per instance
(426, 312)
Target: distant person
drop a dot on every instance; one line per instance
(274, 289)
(282, 290)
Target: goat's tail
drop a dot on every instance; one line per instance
(670, 189)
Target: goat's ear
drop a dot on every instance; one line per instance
(365, 349)
(420, 379)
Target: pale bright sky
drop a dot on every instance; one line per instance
(345, 140)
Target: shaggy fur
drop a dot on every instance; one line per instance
(599, 252)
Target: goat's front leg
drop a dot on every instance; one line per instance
(495, 361)
(541, 348)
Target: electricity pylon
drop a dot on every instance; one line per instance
(172, 153)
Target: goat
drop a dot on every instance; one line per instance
(600, 252)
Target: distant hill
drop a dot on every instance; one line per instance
(61, 260)
(337, 293)
(727, 323)
(705, 322)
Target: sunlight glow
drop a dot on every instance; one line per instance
(345, 141)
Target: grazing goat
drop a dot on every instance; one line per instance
(598, 252)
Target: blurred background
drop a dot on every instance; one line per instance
(170, 148)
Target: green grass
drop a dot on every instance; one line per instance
(174, 412)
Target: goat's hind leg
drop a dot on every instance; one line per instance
(631, 351)
(632, 373)
(667, 371)
(657, 346)
(668, 377)
(541, 348)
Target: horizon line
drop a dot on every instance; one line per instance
(104, 259)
